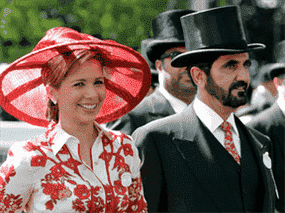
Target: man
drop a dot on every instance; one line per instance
(266, 94)
(271, 122)
(175, 90)
(194, 161)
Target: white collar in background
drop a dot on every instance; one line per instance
(210, 118)
(176, 104)
(281, 103)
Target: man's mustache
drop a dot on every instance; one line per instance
(238, 84)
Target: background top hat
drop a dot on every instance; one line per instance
(144, 44)
(154, 72)
(217, 31)
(271, 70)
(167, 33)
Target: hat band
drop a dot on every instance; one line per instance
(240, 45)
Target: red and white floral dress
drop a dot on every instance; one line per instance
(46, 174)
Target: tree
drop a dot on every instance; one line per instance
(24, 22)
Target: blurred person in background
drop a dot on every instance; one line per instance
(204, 159)
(4, 116)
(175, 91)
(271, 122)
(69, 84)
(265, 94)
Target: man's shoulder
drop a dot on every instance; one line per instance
(148, 103)
(167, 124)
(266, 117)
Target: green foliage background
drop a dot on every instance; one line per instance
(24, 22)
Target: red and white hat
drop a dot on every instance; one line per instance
(23, 94)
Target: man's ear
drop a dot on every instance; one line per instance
(277, 82)
(52, 93)
(158, 65)
(199, 77)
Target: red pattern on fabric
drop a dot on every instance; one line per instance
(229, 144)
(87, 198)
(9, 202)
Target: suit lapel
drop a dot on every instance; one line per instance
(260, 150)
(160, 105)
(192, 141)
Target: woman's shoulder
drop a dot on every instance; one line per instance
(118, 137)
(31, 147)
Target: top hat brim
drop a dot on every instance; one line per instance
(157, 47)
(197, 56)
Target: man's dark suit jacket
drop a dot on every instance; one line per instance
(271, 122)
(151, 108)
(180, 171)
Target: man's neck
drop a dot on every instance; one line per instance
(223, 111)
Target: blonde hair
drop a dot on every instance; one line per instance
(57, 69)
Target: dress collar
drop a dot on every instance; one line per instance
(57, 137)
(210, 118)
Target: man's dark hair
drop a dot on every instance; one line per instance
(204, 66)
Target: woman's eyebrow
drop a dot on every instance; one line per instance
(84, 80)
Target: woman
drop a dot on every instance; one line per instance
(69, 80)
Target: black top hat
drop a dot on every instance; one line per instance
(217, 31)
(144, 44)
(279, 52)
(167, 33)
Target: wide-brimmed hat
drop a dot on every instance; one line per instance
(217, 31)
(23, 94)
(167, 33)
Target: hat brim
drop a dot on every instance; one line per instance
(23, 94)
(157, 47)
(197, 56)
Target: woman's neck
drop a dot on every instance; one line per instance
(85, 133)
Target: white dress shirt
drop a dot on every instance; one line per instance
(213, 122)
(176, 104)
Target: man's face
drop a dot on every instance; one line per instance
(175, 78)
(229, 79)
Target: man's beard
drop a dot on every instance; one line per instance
(225, 97)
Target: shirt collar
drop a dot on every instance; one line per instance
(176, 104)
(281, 104)
(61, 137)
(210, 118)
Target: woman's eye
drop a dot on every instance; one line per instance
(99, 82)
(79, 84)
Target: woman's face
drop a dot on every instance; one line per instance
(81, 94)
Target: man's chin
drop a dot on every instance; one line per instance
(235, 102)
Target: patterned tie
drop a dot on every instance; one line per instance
(229, 144)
